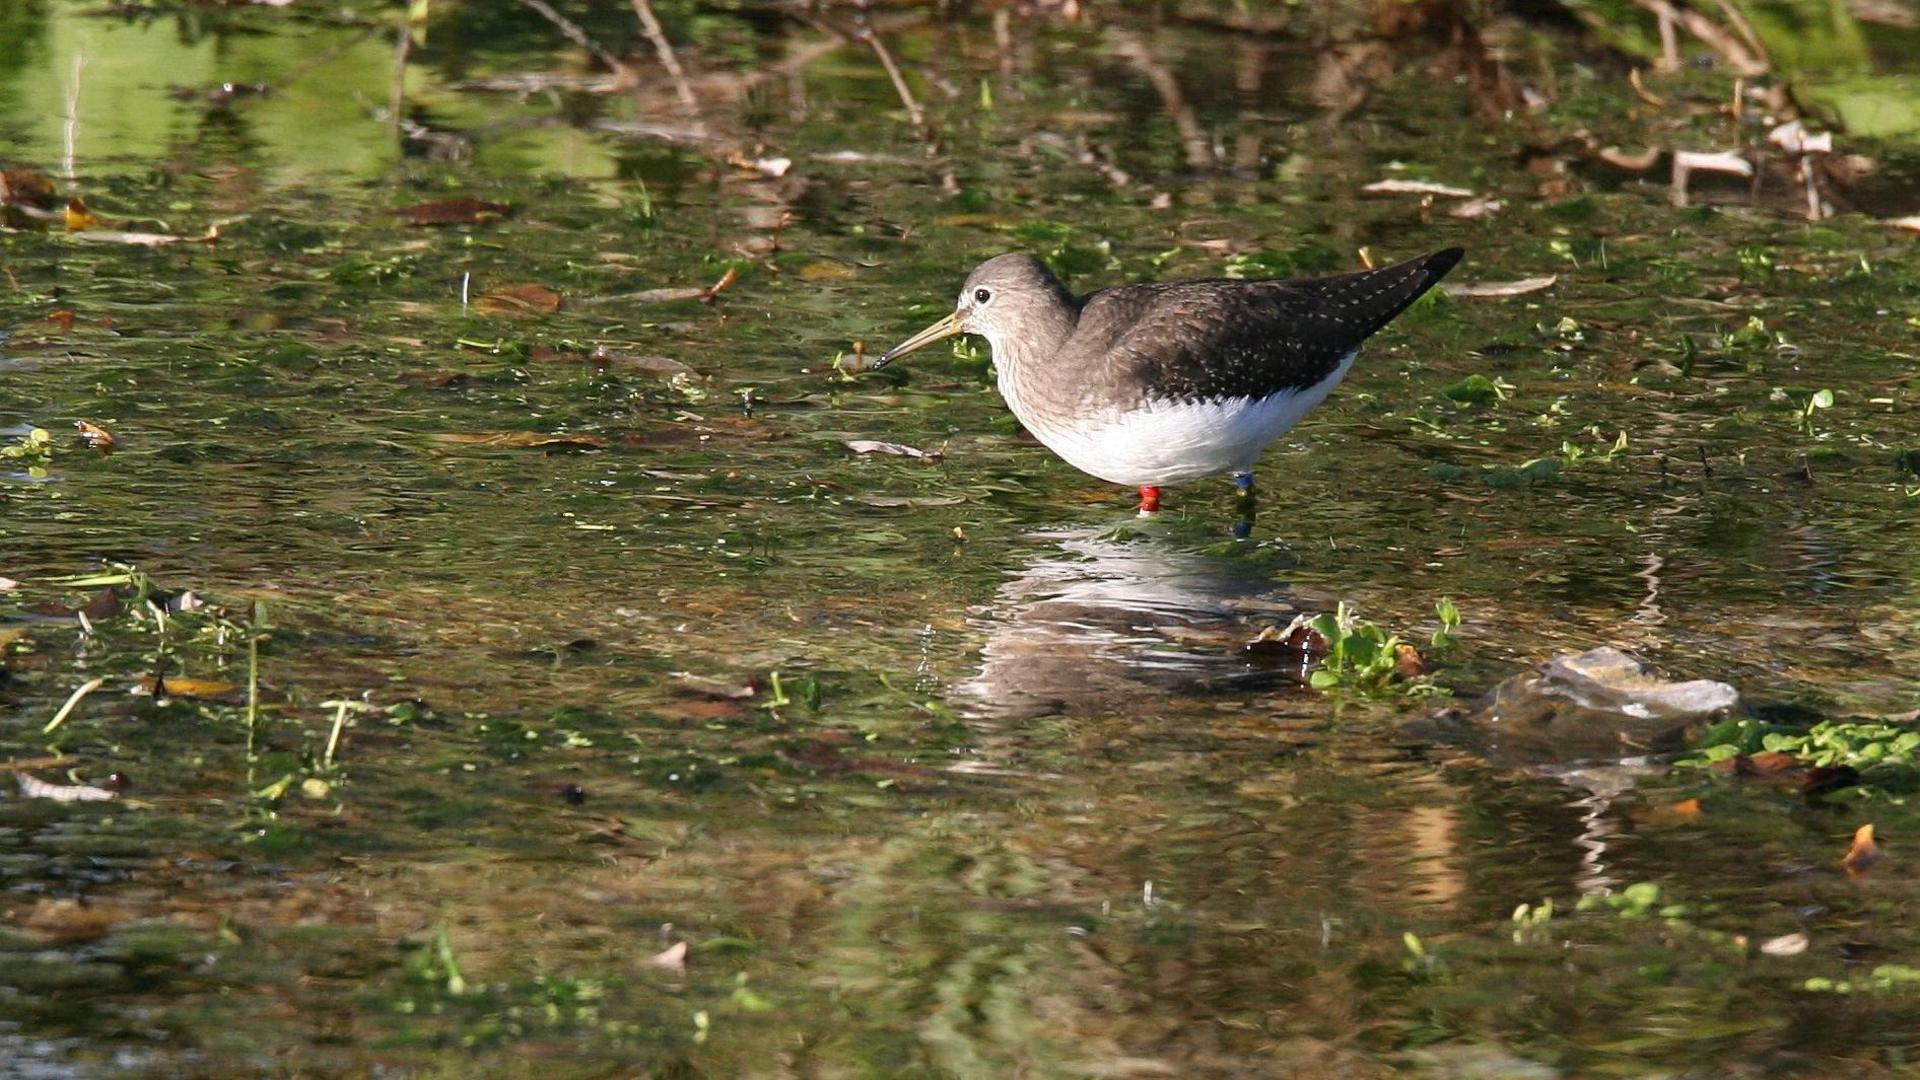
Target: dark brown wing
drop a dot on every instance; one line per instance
(1206, 340)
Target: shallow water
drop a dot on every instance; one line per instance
(947, 768)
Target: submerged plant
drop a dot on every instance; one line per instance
(34, 450)
(1361, 655)
(1882, 754)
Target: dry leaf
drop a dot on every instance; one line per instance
(27, 188)
(433, 380)
(78, 217)
(181, 686)
(454, 212)
(1785, 945)
(714, 688)
(67, 921)
(1407, 662)
(63, 319)
(1473, 209)
(96, 437)
(663, 296)
(519, 300)
(1684, 812)
(1417, 187)
(826, 270)
(523, 440)
(869, 446)
(732, 275)
(1495, 289)
(1863, 853)
(672, 958)
(7, 584)
(1911, 222)
(1294, 640)
(34, 788)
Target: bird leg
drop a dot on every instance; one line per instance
(1149, 499)
(1243, 484)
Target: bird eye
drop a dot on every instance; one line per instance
(981, 296)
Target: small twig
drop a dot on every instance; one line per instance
(397, 92)
(915, 114)
(1644, 94)
(47, 761)
(1743, 27)
(60, 717)
(333, 738)
(73, 115)
(572, 32)
(707, 296)
(1743, 60)
(650, 25)
(1669, 41)
(1193, 138)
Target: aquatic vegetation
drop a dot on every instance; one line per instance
(1358, 655)
(1877, 756)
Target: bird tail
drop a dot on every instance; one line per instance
(1370, 299)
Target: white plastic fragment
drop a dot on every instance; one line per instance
(35, 788)
(1417, 187)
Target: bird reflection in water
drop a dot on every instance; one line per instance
(1109, 617)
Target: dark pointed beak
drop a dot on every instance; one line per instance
(945, 328)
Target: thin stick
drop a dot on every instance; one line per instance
(60, 717)
(650, 25)
(73, 114)
(572, 32)
(1745, 29)
(1743, 60)
(1193, 138)
(914, 113)
(253, 694)
(397, 92)
(333, 739)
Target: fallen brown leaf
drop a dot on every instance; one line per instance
(714, 688)
(825, 270)
(68, 921)
(454, 212)
(1407, 662)
(181, 686)
(1863, 853)
(434, 380)
(1684, 812)
(1293, 641)
(672, 958)
(27, 188)
(78, 217)
(523, 440)
(63, 319)
(519, 300)
(96, 437)
(732, 275)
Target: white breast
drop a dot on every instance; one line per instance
(1168, 441)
